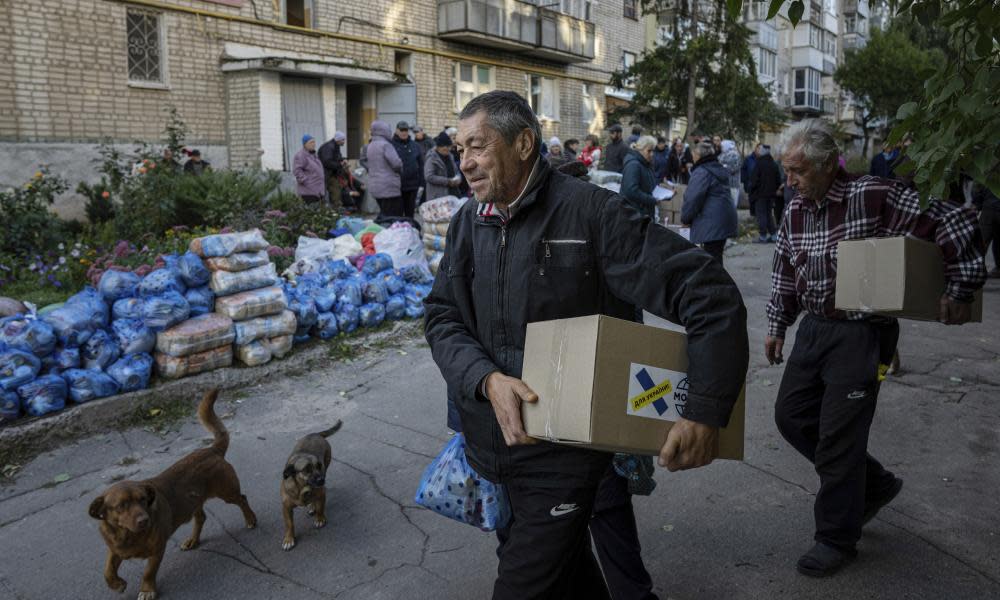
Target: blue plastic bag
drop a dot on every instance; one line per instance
(301, 338)
(133, 336)
(325, 298)
(395, 307)
(161, 281)
(305, 310)
(72, 325)
(417, 273)
(348, 292)
(127, 308)
(10, 406)
(115, 285)
(100, 351)
(17, 368)
(352, 224)
(326, 326)
(394, 283)
(61, 359)
(415, 294)
(201, 300)
(376, 263)
(372, 314)
(348, 317)
(85, 385)
(28, 333)
(337, 269)
(132, 372)
(163, 312)
(43, 395)
(451, 488)
(93, 305)
(192, 270)
(376, 291)
(414, 311)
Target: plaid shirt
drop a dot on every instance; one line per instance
(805, 257)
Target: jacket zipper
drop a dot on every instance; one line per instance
(498, 451)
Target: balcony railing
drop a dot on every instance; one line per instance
(517, 26)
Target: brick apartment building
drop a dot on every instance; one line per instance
(249, 77)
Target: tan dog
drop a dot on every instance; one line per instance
(138, 517)
(303, 479)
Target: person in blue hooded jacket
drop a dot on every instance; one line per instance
(638, 180)
(708, 206)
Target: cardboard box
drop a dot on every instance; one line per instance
(611, 385)
(896, 276)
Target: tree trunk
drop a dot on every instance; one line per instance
(692, 72)
(864, 131)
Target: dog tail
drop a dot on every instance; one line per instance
(328, 432)
(211, 421)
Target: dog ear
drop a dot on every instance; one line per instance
(97, 508)
(150, 494)
(288, 472)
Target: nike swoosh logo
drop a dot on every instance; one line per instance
(563, 509)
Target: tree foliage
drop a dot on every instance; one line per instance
(955, 120)
(709, 53)
(883, 75)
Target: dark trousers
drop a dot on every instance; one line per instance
(715, 249)
(390, 207)
(765, 216)
(989, 221)
(409, 203)
(824, 410)
(545, 549)
(616, 540)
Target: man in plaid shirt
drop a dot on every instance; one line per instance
(827, 396)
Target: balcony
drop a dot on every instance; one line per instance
(812, 58)
(517, 26)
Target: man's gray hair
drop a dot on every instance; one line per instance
(646, 141)
(506, 112)
(704, 148)
(814, 138)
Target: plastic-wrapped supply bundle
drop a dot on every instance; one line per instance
(450, 487)
(402, 243)
(393, 282)
(133, 336)
(352, 224)
(376, 263)
(192, 270)
(255, 303)
(304, 309)
(435, 228)
(132, 372)
(161, 281)
(62, 359)
(372, 314)
(17, 367)
(10, 307)
(415, 294)
(414, 311)
(416, 274)
(196, 335)
(225, 244)
(348, 292)
(434, 242)
(115, 285)
(85, 385)
(376, 291)
(241, 261)
(337, 269)
(28, 333)
(434, 260)
(325, 298)
(326, 326)
(252, 330)
(75, 321)
(253, 354)
(43, 395)
(225, 283)
(201, 300)
(10, 406)
(279, 346)
(127, 308)
(100, 351)
(348, 317)
(162, 312)
(301, 338)
(90, 302)
(175, 367)
(395, 307)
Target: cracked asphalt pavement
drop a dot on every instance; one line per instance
(730, 530)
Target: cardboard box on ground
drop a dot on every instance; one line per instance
(897, 276)
(612, 385)
(670, 210)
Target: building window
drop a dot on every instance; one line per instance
(766, 61)
(580, 9)
(755, 10)
(851, 23)
(588, 108)
(145, 47)
(631, 10)
(543, 95)
(806, 89)
(470, 81)
(299, 13)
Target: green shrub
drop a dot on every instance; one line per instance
(28, 224)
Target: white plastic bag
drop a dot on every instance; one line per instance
(402, 243)
(440, 210)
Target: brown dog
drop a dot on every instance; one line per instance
(303, 479)
(138, 517)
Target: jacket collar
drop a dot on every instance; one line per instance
(833, 195)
